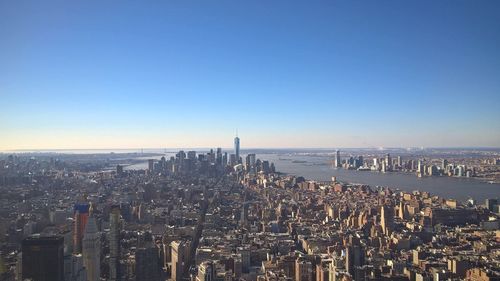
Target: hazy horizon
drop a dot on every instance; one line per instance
(176, 149)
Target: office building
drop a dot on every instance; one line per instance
(205, 271)
(178, 260)
(191, 155)
(388, 162)
(491, 203)
(338, 163)
(250, 163)
(74, 270)
(244, 214)
(119, 170)
(232, 160)
(114, 244)
(151, 165)
(237, 149)
(354, 257)
(303, 270)
(92, 251)
(43, 258)
(147, 262)
(81, 216)
(386, 219)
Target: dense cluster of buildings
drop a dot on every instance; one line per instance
(486, 168)
(218, 217)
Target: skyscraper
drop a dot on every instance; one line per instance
(205, 271)
(354, 257)
(244, 214)
(119, 170)
(303, 270)
(237, 148)
(178, 249)
(114, 244)
(147, 263)
(388, 162)
(81, 216)
(74, 270)
(250, 162)
(218, 158)
(224, 159)
(444, 164)
(490, 203)
(92, 251)
(420, 168)
(386, 219)
(151, 165)
(232, 159)
(43, 258)
(376, 164)
(338, 164)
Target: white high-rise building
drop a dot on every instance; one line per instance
(91, 247)
(338, 163)
(376, 163)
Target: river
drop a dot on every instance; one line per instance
(318, 167)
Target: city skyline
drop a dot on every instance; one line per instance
(210, 216)
(117, 75)
(250, 140)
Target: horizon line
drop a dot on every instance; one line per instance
(248, 148)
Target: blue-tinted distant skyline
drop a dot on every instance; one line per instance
(123, 74)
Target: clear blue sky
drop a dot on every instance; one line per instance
(127, 74)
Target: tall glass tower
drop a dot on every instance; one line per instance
(338, 163)
(237, 148)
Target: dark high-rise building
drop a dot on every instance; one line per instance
(114, 244)
(388, 161)
(444, 164)
(265, 167)
(250, 162)
(224, 159)
(232, 159)
(237, 148)
(151, 164)
(119, 170)
(43, 258)
(491, 203)
(360, 161)
(181, 156)
(244, 214)
(191, 155)
(354, 257)
(147, 262)
(218, 158)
